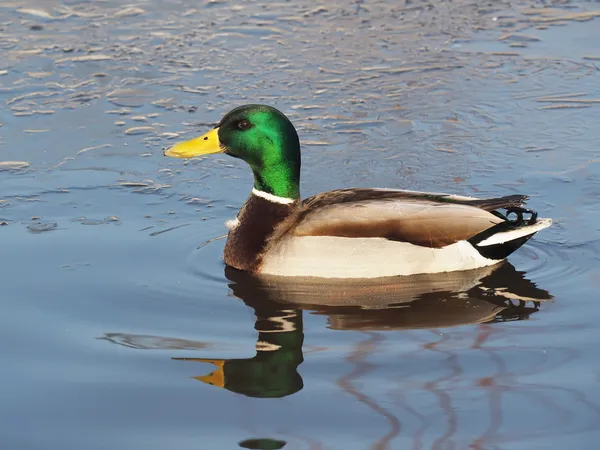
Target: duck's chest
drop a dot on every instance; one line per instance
(248, 238)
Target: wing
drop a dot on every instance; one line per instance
(365, 194)
(424, 219)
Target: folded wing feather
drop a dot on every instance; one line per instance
(429, 224)
(355, 195)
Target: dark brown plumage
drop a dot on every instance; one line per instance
(258, 219)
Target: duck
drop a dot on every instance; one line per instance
(349, 232)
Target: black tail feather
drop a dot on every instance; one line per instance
(508, 202)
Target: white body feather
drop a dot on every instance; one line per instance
(232, 224)
(340, 257)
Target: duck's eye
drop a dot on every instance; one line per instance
(244, 124)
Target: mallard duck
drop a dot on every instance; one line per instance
(349, 233)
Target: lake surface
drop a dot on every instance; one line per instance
(120, 326)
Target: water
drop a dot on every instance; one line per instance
(114, 323)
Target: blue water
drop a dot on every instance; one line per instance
(110, 310)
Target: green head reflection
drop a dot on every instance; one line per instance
(273, 371)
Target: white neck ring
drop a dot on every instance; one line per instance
(273, 198)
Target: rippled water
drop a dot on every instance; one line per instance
(120, 326)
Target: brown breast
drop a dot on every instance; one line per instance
(258, 219)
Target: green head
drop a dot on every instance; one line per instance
(260, 135)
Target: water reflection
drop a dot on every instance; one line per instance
(145, 342)
(487, 295)
(273, 371)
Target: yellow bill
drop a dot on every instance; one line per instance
(204, 145)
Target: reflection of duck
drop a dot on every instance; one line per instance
(273, 371)
(419, 301)
(432, 301)
(349, 233)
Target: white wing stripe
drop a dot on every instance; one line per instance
(506, 236)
